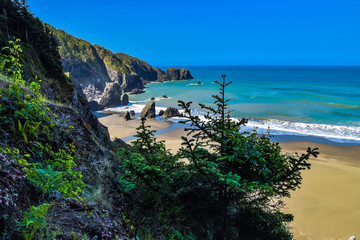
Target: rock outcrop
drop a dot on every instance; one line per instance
(171, 112)
(125, 99)
(177, 74)
(130, 82)
(127, 116)
(95, 106)
(91, 92)
(111, 96)
(148, 111)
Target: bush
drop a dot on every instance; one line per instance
(34, 225)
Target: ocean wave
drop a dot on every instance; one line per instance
(336, 133)
(149, 99)
(194, 84)
(133, 107)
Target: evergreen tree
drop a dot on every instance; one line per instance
(223, 183)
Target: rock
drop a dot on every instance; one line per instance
(131, 82)
(148, 111)
(111, 96)
(164, 96)
(171, 112)
(118, 143)
(127, 116)
(152, 98)
(136, 91)
(125, 99)
(132, 113)
(161, 113)
(198, 82)
(178, 74)
(91, 92)
(95, 106)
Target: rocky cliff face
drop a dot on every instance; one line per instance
(94, 66)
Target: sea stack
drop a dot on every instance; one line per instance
(148, 111)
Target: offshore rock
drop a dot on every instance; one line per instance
(171, 112)
(148, 111)
(111, 96)
(132, 112)
(178, 74)
(127, 116)
(161, 113)
(125, 99)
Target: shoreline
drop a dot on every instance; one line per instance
(326, 206)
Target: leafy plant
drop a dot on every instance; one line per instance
(10, 64)
(58, 175)
(33, 224)
(27, 131)
(46, 179)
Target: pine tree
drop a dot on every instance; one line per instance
(223, 183)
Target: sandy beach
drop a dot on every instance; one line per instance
(326, 207)
(119, 128)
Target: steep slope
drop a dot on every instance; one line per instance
(40, 55)
(56, 161)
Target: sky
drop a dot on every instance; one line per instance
(206, 32)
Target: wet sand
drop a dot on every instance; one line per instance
(326, 207)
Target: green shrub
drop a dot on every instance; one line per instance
(57, 174)
(34, 225)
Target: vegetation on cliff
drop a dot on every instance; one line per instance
(49, 186)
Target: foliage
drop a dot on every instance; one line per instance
(40, 56)
(58, 173)
(31, 116)
(223, 183)
(29, 111)
(10, 64)
(34, 224)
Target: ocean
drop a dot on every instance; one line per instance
(318, 103)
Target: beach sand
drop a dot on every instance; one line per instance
(119, 128)
(326, 207)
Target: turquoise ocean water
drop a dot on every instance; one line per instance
(317, 101)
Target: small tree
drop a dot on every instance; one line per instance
(230, 186)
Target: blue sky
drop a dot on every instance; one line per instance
(206, 32)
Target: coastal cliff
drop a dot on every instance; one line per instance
(92, 66)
